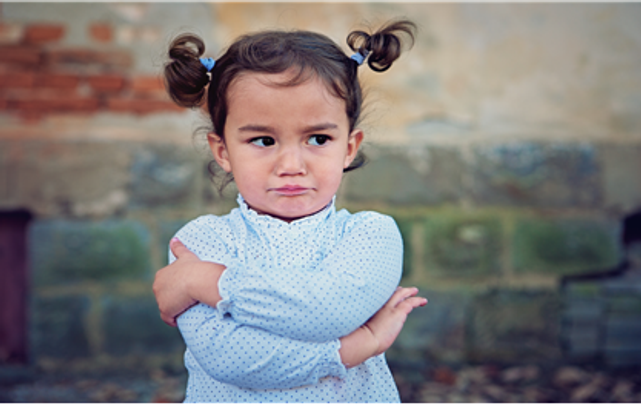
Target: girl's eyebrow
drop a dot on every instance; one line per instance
(320, 127)
(257, 128)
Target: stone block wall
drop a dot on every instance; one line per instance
(506, 144)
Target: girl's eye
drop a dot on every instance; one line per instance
(263, 141)
(318, 139)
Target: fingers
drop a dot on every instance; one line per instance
(179, 249)
(401, 294)
(404, 299)
(409, 304)
(169, 320)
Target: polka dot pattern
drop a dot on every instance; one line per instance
(289, 292)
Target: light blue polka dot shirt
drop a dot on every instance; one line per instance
(289, 292)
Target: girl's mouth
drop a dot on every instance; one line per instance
(291, 190)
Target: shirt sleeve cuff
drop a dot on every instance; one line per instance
(336, 368)
(226, 285)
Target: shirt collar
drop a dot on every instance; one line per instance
(254, 217)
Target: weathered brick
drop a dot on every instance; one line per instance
(601, 320)
(132, 326)
(406, 226)
(57, 327)
(58, 81)
(584, 290)
(29, 56)
(164, 176)
(624, 329)
(582, 344)
(56, 103)
(565, 246)
(583, 309)
(141, 105)
(536, 174)
(434, 333)
(106, 83)
(43, 33)
(10, 33)
(419, 177)
(147, 85)
(622, 185)
(101, 32)
(582, 314)
(77, 174)
(30, 117)
(87, 58)
(623, 356)
(625, 306)
(17, 79)
(514, 326)
(462, 246)
(622, 337)
(627, 285)
(64, 252)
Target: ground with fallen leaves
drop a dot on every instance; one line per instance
(483, 383)
(523, 384)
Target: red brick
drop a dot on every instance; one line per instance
(106, 83)
(31, 117)
(20, 55)
(10, 33)
(101, 32)
(85, 57)
(4, 104)
(43, 33)
(141, 106)
(57, 81)
(147, 84)
(55, 103)
(17, 80)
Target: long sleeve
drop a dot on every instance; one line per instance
(234, 357)
(254, 358)
(358, 275)
(243, 355)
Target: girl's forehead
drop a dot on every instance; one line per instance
(250, 84)
(269, 100)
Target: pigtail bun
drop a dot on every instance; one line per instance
(384, 46)
(185, 76)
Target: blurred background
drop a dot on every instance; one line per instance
(506, 144)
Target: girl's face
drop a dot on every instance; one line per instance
(286, 146)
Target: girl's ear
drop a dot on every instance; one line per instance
(219, 150)
(353, 143)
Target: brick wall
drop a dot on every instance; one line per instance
(506, 144)
(40, 75)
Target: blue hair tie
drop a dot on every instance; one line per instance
(359, 58)
(208, 63)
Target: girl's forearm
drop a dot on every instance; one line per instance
(202, 282)
(367, 263)
(268, 361)
(358, 346)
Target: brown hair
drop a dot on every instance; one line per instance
(311, 54)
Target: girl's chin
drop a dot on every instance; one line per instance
(287, 214)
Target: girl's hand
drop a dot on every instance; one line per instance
(387, 323)
(185, 282)
(378, 334)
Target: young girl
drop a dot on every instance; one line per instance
(286, 299)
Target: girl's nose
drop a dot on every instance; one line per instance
(290, 162)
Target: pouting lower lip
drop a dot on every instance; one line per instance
(290, 190)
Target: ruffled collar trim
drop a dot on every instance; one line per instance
(252, 216)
